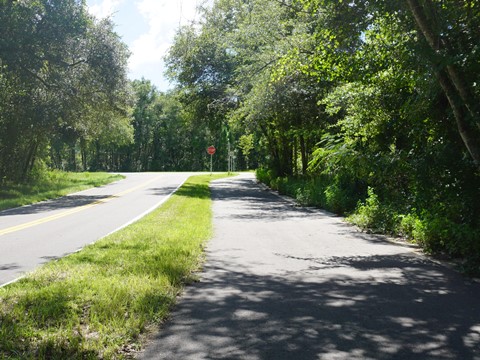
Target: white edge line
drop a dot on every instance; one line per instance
(117, 229)
(146, 212)
(12, 281)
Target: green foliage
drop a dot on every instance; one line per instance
(433, 232)
(63, 80)
(408, 225)
(339, 98)
(346, 97)
(338, 196)
(373, 215)
(263, 175)
(322, 191)
(245, 143)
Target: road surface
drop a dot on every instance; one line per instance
(33, 235)
(282, 282)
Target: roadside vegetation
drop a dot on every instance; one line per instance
(98, 302)
(66, 102)
(368, 108)
(50, 185)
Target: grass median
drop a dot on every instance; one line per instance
(98, 302)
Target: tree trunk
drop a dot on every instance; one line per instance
(30, 159)
(466, 131)
(83, 151)
(73, 158)
(452, 81)
(295, 152)
(303, 150)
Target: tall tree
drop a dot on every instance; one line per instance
(374, 99)
(61, 64)
(451, 31)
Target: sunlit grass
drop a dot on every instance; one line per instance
(97, 303)
(50, 186)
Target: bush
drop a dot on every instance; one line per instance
(374, 215)
(439, 234)
(323, 191)
(262, 176)
(337, 199)
(268, 177)
(304, 197)
(407, 225)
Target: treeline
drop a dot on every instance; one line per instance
(165, 136)
(370, 109)
(62, 81)
(366, 108)
(66, 102)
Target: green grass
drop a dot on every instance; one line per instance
(52, 185)
(98, 302)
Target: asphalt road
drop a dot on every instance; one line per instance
(33, 235)
(282, 282)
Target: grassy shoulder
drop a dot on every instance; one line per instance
(51, 185)
(96, 303)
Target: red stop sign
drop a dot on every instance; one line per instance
(211, 150)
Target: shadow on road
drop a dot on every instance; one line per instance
(66, 202)
(376, 306)
(13, 266)
(263, 204)
(162, 191)
(421, 312)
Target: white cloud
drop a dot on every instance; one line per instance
(148, 27)
(163, 17)
(105, 8)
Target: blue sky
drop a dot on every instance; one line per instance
(148, 28)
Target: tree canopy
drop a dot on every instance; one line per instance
(63, 76)
(366, 108)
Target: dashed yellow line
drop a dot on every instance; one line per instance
(72, 211)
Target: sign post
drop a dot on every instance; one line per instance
(211, 150)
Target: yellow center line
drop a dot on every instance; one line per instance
(72, 211)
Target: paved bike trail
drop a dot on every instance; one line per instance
(283, 282)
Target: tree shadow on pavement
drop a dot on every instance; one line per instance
(416, 311)
(11, 266)
(65, 202)
(163, 191)
(261, 204)
(375, 306)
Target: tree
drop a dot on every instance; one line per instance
(245, 143)
(372, 103)
(64, 69)
(447, 33)
(451, 32)
(227, 72)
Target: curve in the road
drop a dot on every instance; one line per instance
(73, 211)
